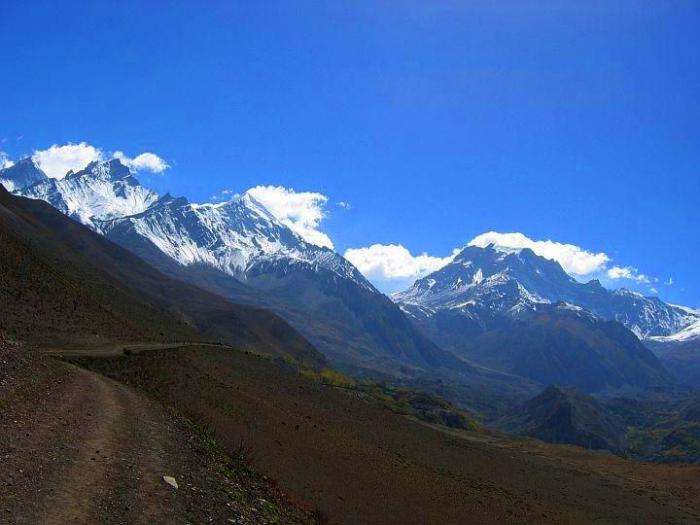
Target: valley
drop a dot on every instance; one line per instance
(352, 471)
(349, 263)
(225, 371)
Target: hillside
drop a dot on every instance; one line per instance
(553, 344)
(680, 358)
(357, 462)
(63, 284)
(258, 435)
(566, 415)
(78, 447)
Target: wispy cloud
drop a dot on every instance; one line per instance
(302, 212)
(629, 273)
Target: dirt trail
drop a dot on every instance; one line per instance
(111, 350)
(106, 467)
(95, 458)
(77, 447)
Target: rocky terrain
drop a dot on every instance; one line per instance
(96, 451)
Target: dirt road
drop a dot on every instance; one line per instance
(76, 447)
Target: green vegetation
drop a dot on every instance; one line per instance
(668, 431)
(402, 400)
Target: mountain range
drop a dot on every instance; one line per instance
(514, 311)
(239, 250)
(482, 282)
(491, 316)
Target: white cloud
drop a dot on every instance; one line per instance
(385, 262)
(669, 282)
(344, 205)
(391, 267)
(653, 290)
(574, 259)
(627, 272)
(301, 211)
(143, 162)
(57, 160)
(5, 161)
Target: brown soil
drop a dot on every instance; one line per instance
(359, 463)
(77, 447)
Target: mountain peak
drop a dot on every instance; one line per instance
(111, 169)
(170, 200)
(101, 191)
(22, 174)
(486, 281)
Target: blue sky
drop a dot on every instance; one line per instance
(576, 122)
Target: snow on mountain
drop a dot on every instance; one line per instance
(489, 281)
(240, 250)
(243, 239)
(690, 333)
(20, 175)
(230, 236)
(101, 191)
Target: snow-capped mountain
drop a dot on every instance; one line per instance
(240, 250)
(233, 237)
(20, 175)
(690, 333)
(482, 282)
(101, 191)
(516, 312)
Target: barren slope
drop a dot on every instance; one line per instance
(62, 284)
(95, 451)
(360, 463)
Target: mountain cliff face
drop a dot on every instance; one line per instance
(239, 250)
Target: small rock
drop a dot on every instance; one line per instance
(170, 481)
